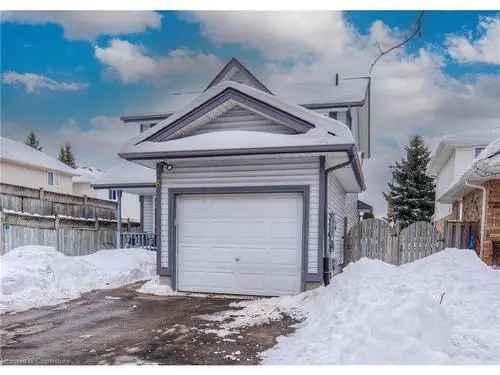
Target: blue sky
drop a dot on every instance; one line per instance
(70, 76)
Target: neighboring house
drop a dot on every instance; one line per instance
(25, 166)
(474, 197)
(252, 189)
(364, 209)
(449, 160)
(134, 187)
(83, 184)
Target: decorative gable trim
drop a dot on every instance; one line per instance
(235, 64)
(295, 123)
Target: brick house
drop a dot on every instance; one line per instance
(474, 197)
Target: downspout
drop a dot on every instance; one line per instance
(119, 219)
(483, 216)
(326, 265)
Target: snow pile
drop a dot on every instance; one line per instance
(156, 287)
(34, 276)
(376, 313)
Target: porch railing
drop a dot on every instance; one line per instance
(145, 240)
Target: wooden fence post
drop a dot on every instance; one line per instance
(85, 201)
(56, 227)
(2, 234)
(96, 234)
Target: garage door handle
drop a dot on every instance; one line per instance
(237, 259)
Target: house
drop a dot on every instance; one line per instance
(83, 184)
(133, 186)
(365, 210)
(474, 197)
(253, 189)
(23, 165)
(449, 159)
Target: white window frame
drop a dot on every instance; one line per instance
(113, 195)
(54, 181)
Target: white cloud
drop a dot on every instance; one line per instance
(88, 25)
(278, 34)
(484, 49)
(130, 63)
(34, 82)
(411, 92)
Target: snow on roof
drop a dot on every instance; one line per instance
(484, 167)
(445, 146)
(310, 94)
(237, 139)
(315, 93)
(21, 153)
(322, 134)
(125, 172)
(87, 175)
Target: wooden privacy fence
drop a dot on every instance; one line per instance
(70, 236)
(375, 238)
(41, 202)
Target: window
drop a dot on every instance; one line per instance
(478, 150)
(113, 195)
(51, 179)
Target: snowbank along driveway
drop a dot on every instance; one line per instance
(443, 309)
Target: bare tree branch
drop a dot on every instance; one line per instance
(413, 34)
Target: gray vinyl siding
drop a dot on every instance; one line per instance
(351, 209)
(149, 213)
(239, 118)
(337, 203)
(249, 172)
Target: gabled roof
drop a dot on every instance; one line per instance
(318, 129)
(20, 153)
(364, 206)
(235, 71)
(311, 95)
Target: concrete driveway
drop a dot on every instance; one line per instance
(121, 326)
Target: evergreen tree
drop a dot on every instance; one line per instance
(411, 192)
(32, 141)
(66, 155)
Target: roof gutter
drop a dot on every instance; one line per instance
(124, 186)
(483, 216)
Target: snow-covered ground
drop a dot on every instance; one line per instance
(376, 313)
(443, 309)
(34, 276)
(156, 287)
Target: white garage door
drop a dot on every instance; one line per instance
(240, 243)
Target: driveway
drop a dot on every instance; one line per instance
(121, 326)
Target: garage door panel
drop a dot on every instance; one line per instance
(240, 243)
